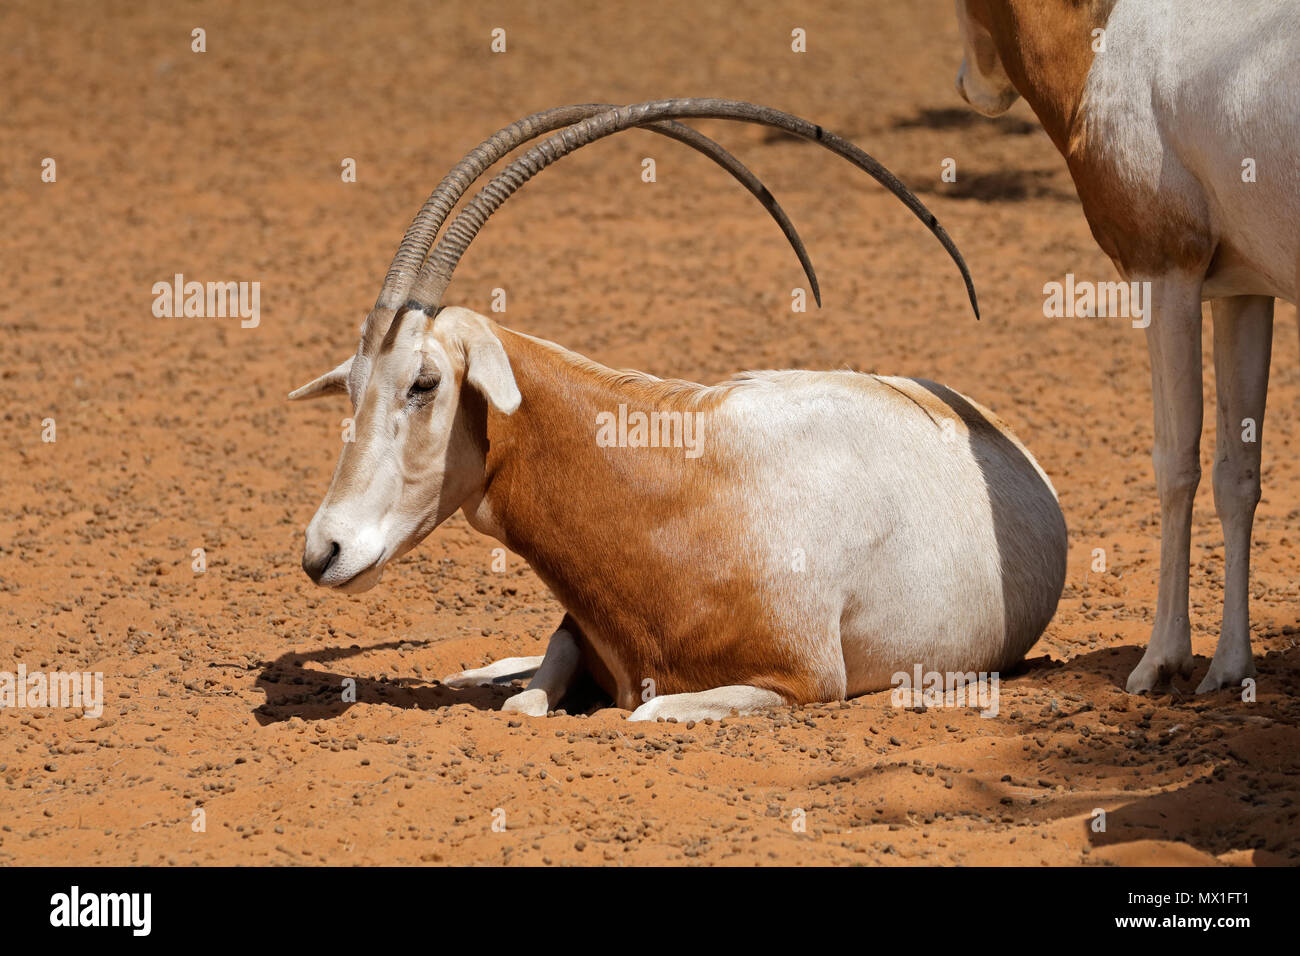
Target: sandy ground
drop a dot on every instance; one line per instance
(223, 688)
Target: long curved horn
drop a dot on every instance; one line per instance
(701, 143)
(442, 261)
(419, 235)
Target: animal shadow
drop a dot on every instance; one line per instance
(964, 118)
(1002, 185)
(295, 690)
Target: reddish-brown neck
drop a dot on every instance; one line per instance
(1046, 48)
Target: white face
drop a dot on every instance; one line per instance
(981, 79)
(419, 448)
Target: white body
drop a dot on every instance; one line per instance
(887, 532)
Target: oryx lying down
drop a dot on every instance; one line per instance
(784, 537)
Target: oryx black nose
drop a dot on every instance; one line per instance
(317, 564)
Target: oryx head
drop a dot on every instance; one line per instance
(423, 378)
(419, 443)
(982, 80)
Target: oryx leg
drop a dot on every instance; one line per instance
(1243, 340)
(559, 669)
(505, 671)
(716, 703)
(549, 676)
(1174, 343)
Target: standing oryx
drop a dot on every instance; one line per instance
(1180, 123)
(785, 537)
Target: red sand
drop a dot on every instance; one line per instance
(173, 434)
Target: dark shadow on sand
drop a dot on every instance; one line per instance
(293, 688)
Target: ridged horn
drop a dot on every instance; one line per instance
(441, 262)
(419, 235)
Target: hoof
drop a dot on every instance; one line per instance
(1227, 677)
(1154, 672)
(530, 702)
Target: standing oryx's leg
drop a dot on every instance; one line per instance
(560, 667)
(1243, 339)
(716, 703)
(1174, 342)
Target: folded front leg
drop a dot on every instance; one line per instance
(716, 703)
(558, 670)
(504, 671)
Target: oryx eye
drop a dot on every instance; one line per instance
(423, 387)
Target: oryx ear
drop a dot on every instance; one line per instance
(488, 370)
(335, 380)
